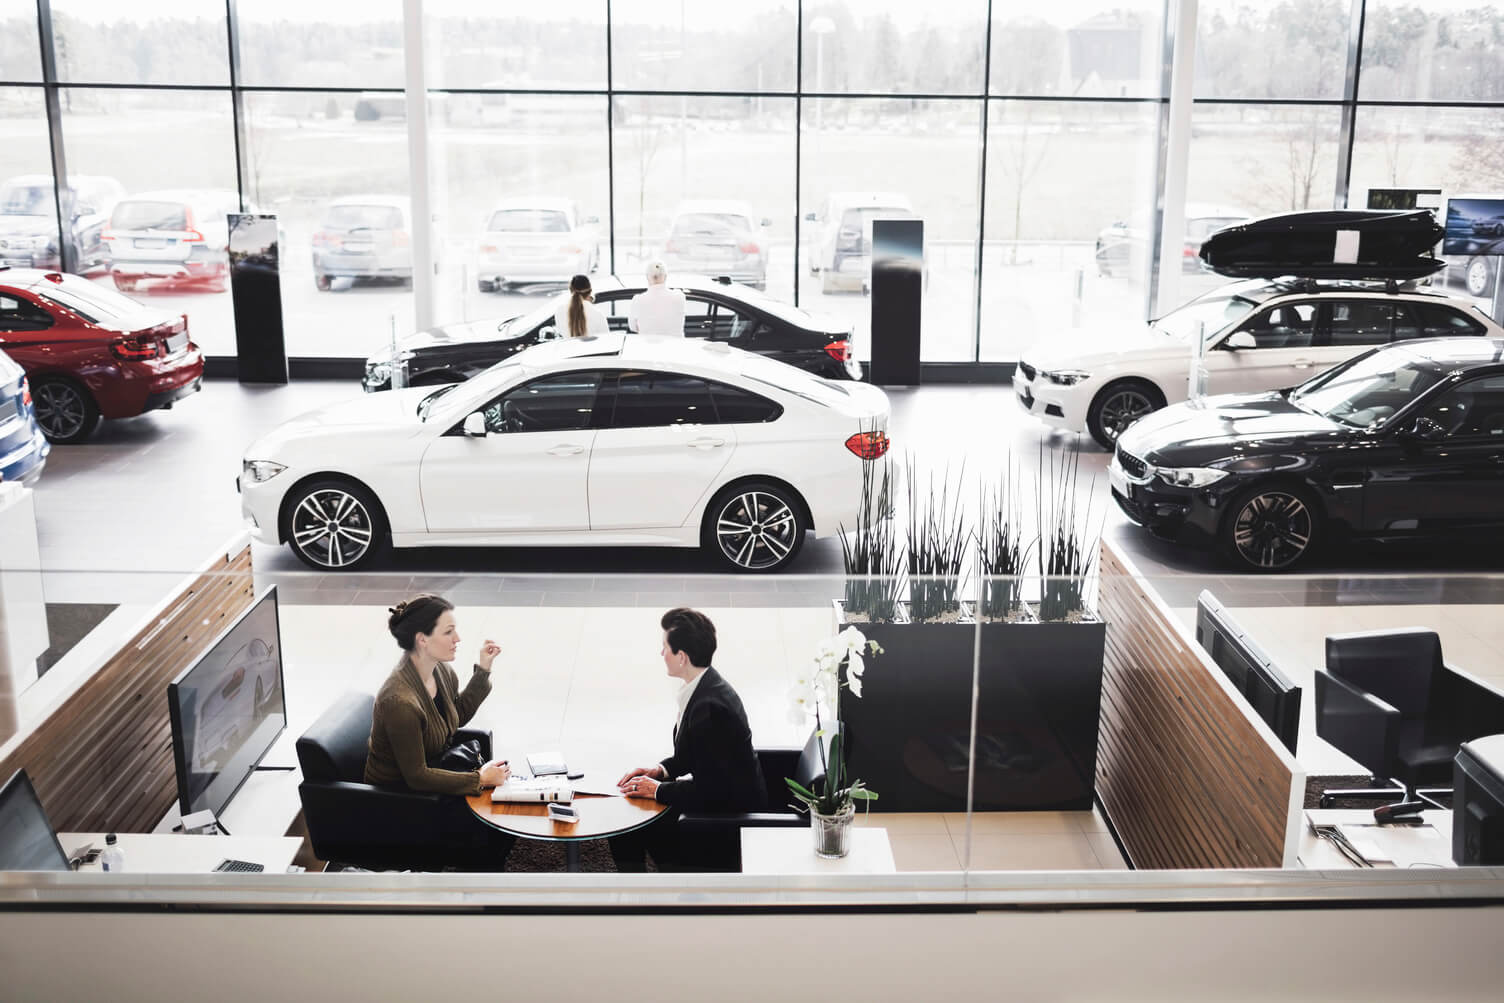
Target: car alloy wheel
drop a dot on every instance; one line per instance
(756, 527)
(1117, 408)
(1477, 277)
(335, 526)
(65, 412)
(1272, 529)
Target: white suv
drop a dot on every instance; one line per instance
(1258, 335)
(171, 236)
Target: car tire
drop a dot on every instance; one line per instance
(65, 411)
(1271, 527)
(754, 527)
(1477, 276)
(1117, 406)
(335, 525)
(321, 282)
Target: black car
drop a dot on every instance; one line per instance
(1403, 442)
(716, 309)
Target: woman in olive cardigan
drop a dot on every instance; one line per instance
(420, 706)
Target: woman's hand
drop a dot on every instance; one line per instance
(489, 649)
(495, 774)
(641, 771)
(641, 786)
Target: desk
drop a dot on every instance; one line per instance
(150, 853)
(792, 851)
(1428, 845)
(600, 816)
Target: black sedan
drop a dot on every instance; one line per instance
(1403, 442)
(716, 309)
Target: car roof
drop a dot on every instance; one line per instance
(555, 202)
(730, 207)
(1262, 290)
(30, 278)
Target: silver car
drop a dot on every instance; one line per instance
(364, 237)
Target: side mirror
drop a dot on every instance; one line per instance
(475, 425)
(548, 333)
(1425, 430)
(1240, 341)
(810, 217)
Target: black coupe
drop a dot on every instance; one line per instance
(719, 310)
(1404, 441)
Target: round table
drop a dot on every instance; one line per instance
(600, 816)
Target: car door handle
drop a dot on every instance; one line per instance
(706, 442)
(1302, 364)
(566, 449)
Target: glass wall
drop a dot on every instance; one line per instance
(703, 45)
(20, 54)
(144, 42)
(321, 43)
(894, 47)
(28, 201)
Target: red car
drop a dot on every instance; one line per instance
(91, 353)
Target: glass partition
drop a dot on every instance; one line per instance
(1442, 50)
(701, 45)
(894, 47)
(558, 47)
(28, 200)
(20, 54)
(146, 42)
(1291, 50)
(1095, 49)
(326, 43)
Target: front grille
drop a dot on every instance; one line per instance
(1028, 371)
(1132, 465)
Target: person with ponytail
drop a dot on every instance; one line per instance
(578, 315)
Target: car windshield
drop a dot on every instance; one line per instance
(26, 200)
(93, 302)
(1208, 315)
(709, 224)
(375, 217)
(528, 221)
(1368, 390)
(525, 322)
(150, 216)
(426, 403)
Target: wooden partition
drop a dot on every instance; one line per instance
(1188, 775)
(102, 760)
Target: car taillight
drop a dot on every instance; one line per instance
(400, 238)
(839, 350)
(25, 392)
(192, 237)
(747, 247)
(107, 235)
(868, 445)
(134, 349)
(1189, 252)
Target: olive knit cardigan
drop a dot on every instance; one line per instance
(409, 731)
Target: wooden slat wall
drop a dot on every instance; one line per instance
(1188, 778)
(102, 761)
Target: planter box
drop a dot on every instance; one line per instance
(1039, 702)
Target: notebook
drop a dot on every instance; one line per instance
(534, 790)
(544, 764)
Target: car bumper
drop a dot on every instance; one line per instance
(24, 454)
(561, 270)
(1178, 515)
(166, 398)
(1051, 403)
(259, 505)
(362, 266)
(180, 270)
(149, 385)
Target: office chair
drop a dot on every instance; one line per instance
(381, 828)
(1388, 700)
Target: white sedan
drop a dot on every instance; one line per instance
(620, 440)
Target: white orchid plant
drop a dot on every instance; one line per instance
(816, 694)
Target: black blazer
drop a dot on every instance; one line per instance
(713, 742)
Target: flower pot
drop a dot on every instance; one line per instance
(832, 832)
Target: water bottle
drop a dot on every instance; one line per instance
(113, 857)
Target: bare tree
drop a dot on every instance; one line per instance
(1289, 182)
(1020, 158)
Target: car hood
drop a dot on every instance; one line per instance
(384, 413)
(1087, 347)
(452, 334)
(27, 226)
(1242, 424)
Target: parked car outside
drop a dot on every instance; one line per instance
(841, 255)
(1123, 247)
(364, 237)
(530, 241)
(716, 311)
(1258, 335)
(718, 237)
(91, 353)
(28, 220)
(23, 447)
(549, 448)
(1399, 443)
(172, 237)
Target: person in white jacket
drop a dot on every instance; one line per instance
(657, 309)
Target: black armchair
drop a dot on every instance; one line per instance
(713, 842)
(381, 828)
(1389, 701)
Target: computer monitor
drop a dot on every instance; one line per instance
(228, 708)
(1272, 696)
(27, 839)
(1478, 803)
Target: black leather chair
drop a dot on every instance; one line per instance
(714, 842)
(381, 828)
(1388, 700)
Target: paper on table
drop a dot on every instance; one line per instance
(1399, 845)
(595, 782)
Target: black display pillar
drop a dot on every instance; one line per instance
(897, 291)
(256, 290)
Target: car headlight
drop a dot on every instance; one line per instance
(1065, 377)
(1190, 477)
(260, 471)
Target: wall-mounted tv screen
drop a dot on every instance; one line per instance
(228, 708)
(1475, 225)
(27, 839)
(1272, 696)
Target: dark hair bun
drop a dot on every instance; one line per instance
(418, 615)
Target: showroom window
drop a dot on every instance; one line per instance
(28, 201)
(1439, 50)
(652, 400)
(143, 42)
(704, 45)
(557, 46)
(1095, 49)
(894, 47)
(322, 43)
(20, 54)
(1294, 49)
(561, 403)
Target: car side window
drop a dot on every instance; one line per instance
(729, 325)
(698, 317)
(1472, 410)
(1439, 320)
(652, 400)
(1289, 325)
(564, 402)
(735, 406)
(1360, 322)
(17, 314)
(615, 306)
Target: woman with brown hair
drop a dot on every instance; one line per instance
(578, 315)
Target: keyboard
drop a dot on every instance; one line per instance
(239, 866)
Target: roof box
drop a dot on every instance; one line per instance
(1334, 244)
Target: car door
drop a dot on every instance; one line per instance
(1452, 484)
(659, 453)
(1281, 355)
(528, 473)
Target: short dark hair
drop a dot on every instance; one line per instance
(691, 632)
(418, 615)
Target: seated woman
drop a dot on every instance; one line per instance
(420, 707)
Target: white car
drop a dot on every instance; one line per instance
(536, 240)
(364, 237)
(1259, 335)
(615, 440)
(171, 236)
(842, 252)
(718, 237)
